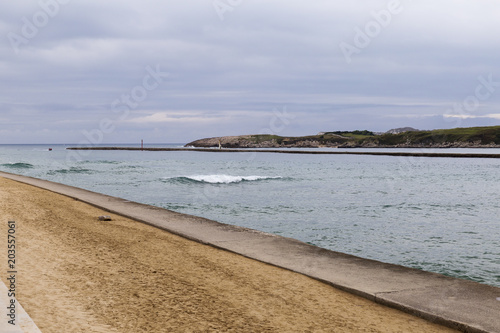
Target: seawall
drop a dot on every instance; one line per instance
(310, 152)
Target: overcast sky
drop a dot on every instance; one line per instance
(175, 71)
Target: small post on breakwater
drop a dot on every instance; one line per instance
(142, 145)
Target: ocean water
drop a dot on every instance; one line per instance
(434, 214)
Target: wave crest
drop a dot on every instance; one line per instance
(219, 179)
(70, 170)
(18, 165)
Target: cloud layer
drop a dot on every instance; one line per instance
(233, 64)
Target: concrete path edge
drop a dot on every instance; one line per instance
(460, 304)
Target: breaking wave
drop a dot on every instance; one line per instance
(218, 179)
(18, 165)
(70, 170)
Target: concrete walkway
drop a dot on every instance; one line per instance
(23, 322)
(460, 304)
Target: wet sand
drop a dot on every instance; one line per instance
(78, 274)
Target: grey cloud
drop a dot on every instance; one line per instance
(263, 54)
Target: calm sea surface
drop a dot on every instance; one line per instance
(435, 214)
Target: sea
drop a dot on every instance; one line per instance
(434, 214)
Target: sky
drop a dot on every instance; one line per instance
(75, 71)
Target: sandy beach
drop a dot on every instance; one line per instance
(78, 274)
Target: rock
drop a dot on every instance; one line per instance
(104, 218)
(402, 130)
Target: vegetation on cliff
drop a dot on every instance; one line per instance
(457, 137)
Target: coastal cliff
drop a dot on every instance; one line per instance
(472, 137)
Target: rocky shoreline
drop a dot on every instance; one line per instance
(242, 142)
(473, 137)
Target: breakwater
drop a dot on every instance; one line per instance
(378, 153)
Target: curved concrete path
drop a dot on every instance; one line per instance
(460, 304)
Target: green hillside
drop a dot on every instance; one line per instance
(471, 135)
(457, 137)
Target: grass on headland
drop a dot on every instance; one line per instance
(472, 135)
(456, 137)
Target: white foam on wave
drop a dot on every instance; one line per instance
(226, 179)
